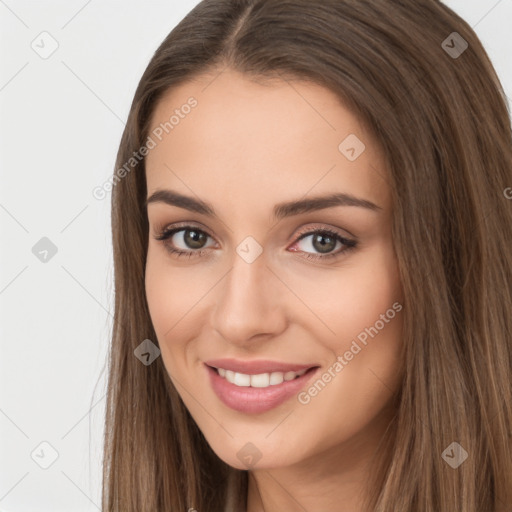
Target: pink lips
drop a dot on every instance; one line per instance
(251, 400)
(257, 367)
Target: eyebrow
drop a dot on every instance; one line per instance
(281, 210)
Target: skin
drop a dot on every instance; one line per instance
(246, 147)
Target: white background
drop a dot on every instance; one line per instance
(61, 121)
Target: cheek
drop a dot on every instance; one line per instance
(171, 291)
(365, 298)
(168, 301)
(175, 297)
(161, 302)
(364, 312)
(352, 299)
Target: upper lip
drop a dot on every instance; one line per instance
(257, 366)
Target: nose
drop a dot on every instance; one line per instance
(249, 303)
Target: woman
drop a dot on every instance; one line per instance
(313, 274)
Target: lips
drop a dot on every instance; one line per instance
(257, 367)
(251, 398)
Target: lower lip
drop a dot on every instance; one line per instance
(251, 400)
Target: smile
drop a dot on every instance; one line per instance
(246, 387)
(262, 380)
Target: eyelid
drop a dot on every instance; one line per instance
(162, 227)
(165, 233)
(162, 232)
(310, 229)
(314, 227)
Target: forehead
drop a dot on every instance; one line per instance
(250, 140)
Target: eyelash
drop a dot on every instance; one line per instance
(167, 233)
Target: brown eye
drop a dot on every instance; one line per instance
(184, 240)
(323, 241)
(194, 239)
(317, 244)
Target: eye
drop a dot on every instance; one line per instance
(324, 241)
(190, 241)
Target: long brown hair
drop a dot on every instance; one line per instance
(437, 108)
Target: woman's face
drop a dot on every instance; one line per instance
(280, 324)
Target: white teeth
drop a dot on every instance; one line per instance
(241, 379)
(262, 380)
(276, 378)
